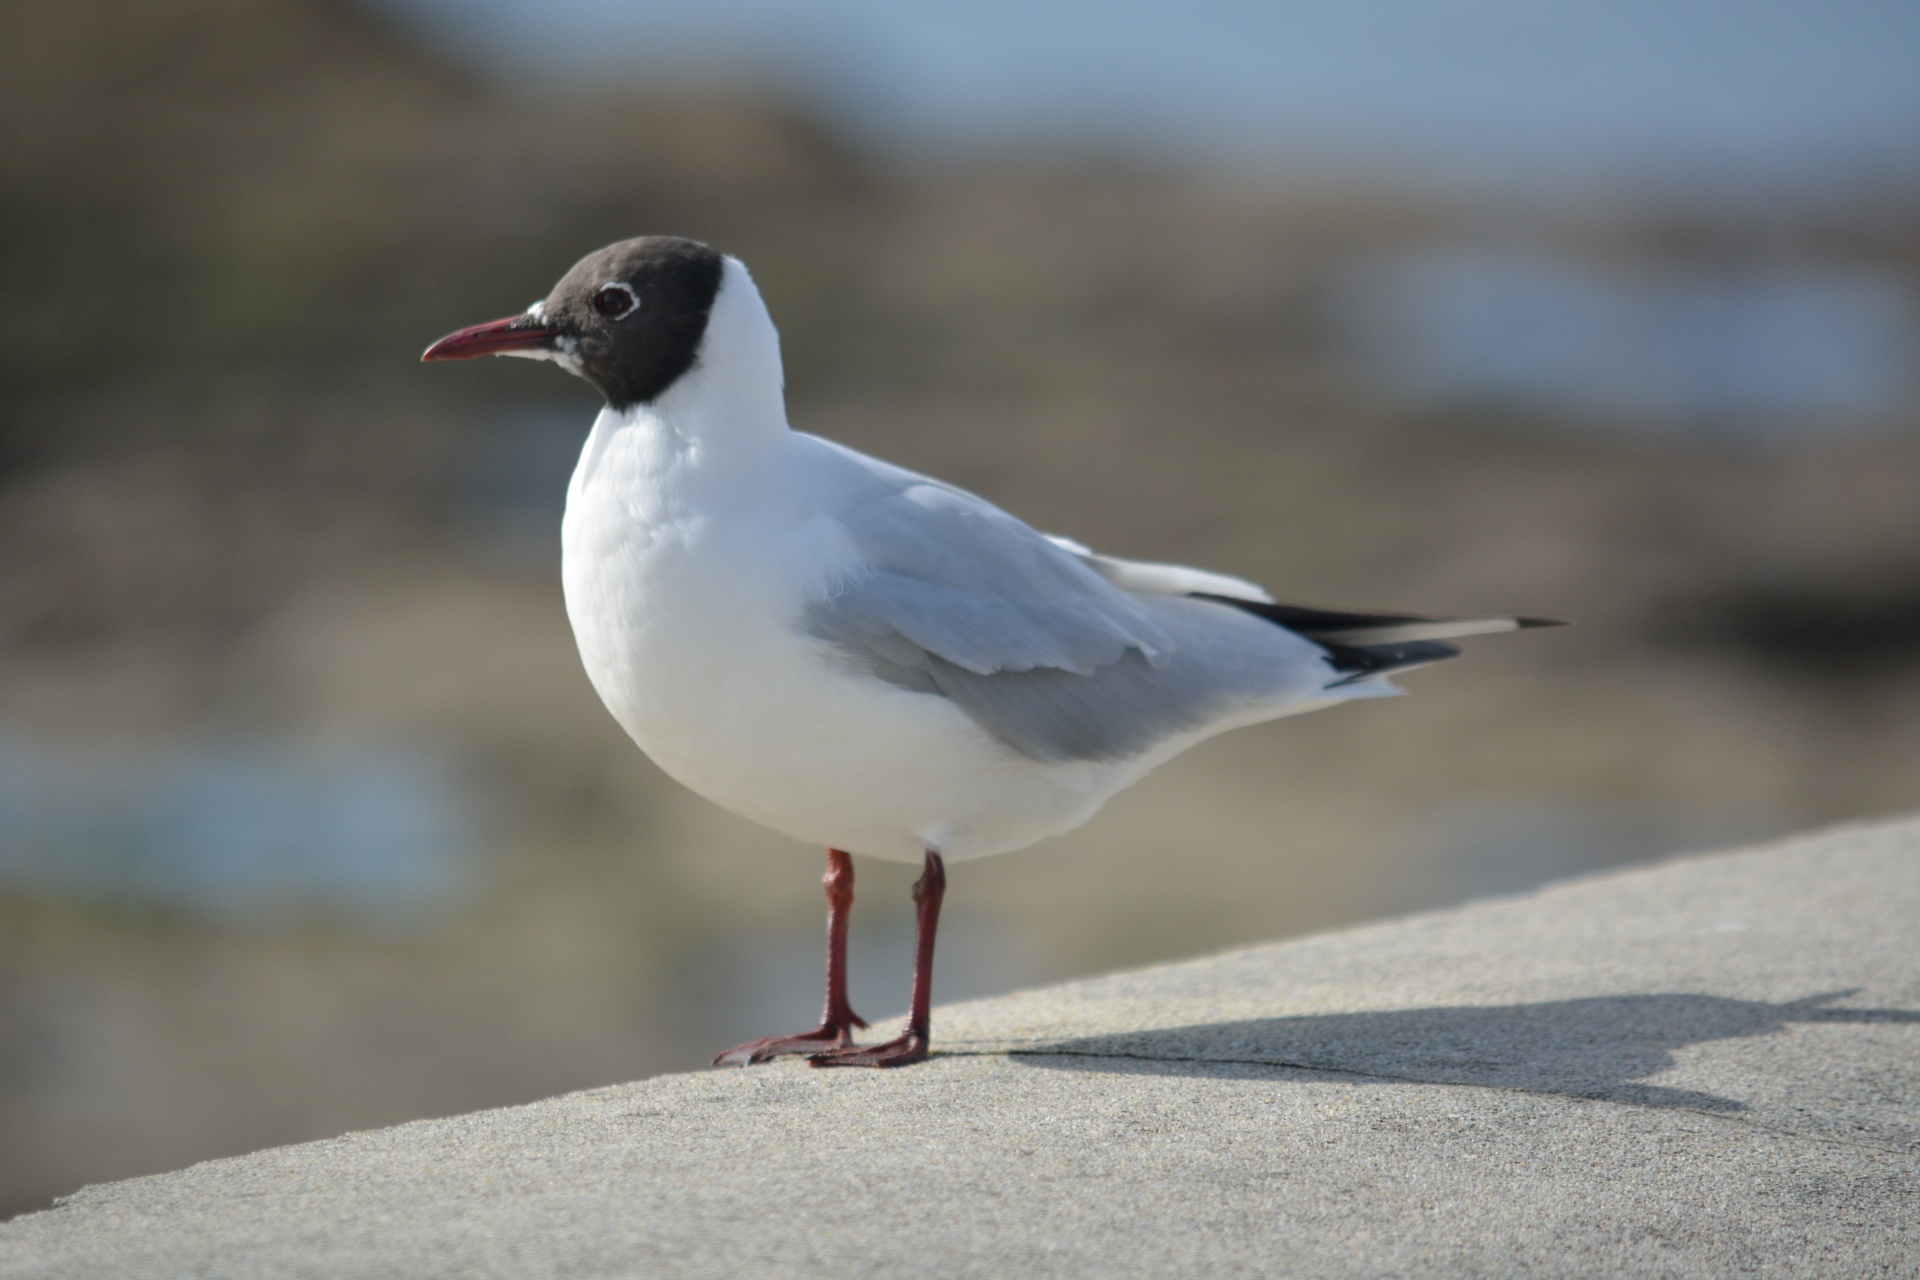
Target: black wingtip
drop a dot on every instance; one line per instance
(1350, 627)
(1364, 662)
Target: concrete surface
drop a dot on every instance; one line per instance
(1709, 1067)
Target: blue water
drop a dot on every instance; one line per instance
(377, 834)
(1755, 355)
(1598, 97)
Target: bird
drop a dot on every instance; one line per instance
(866, 658)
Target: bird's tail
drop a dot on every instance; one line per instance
(1365, 645)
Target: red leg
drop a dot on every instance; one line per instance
(838, 1020)
(928, 890)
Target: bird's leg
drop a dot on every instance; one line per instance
(838, 1020)
(928, 890)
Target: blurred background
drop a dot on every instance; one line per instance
(309, 820)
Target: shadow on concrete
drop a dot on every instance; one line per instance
(1596, 1047)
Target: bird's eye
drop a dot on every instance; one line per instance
(614, 301)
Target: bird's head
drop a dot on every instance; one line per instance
(629, 318)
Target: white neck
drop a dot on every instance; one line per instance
(732, 401)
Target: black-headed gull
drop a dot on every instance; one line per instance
(863, 657)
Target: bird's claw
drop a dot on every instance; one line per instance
(902, 1052)
(829, 1036)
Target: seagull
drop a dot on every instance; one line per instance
(863, 657)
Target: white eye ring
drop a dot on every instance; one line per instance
(615, 301)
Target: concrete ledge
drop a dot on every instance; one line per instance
(1710, 1067)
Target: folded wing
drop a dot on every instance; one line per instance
(1039, 643)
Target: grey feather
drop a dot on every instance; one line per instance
(963, 579)
(962, 600)
(1219, 669)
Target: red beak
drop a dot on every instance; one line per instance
(515, 333)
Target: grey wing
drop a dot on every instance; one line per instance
(959, 599)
